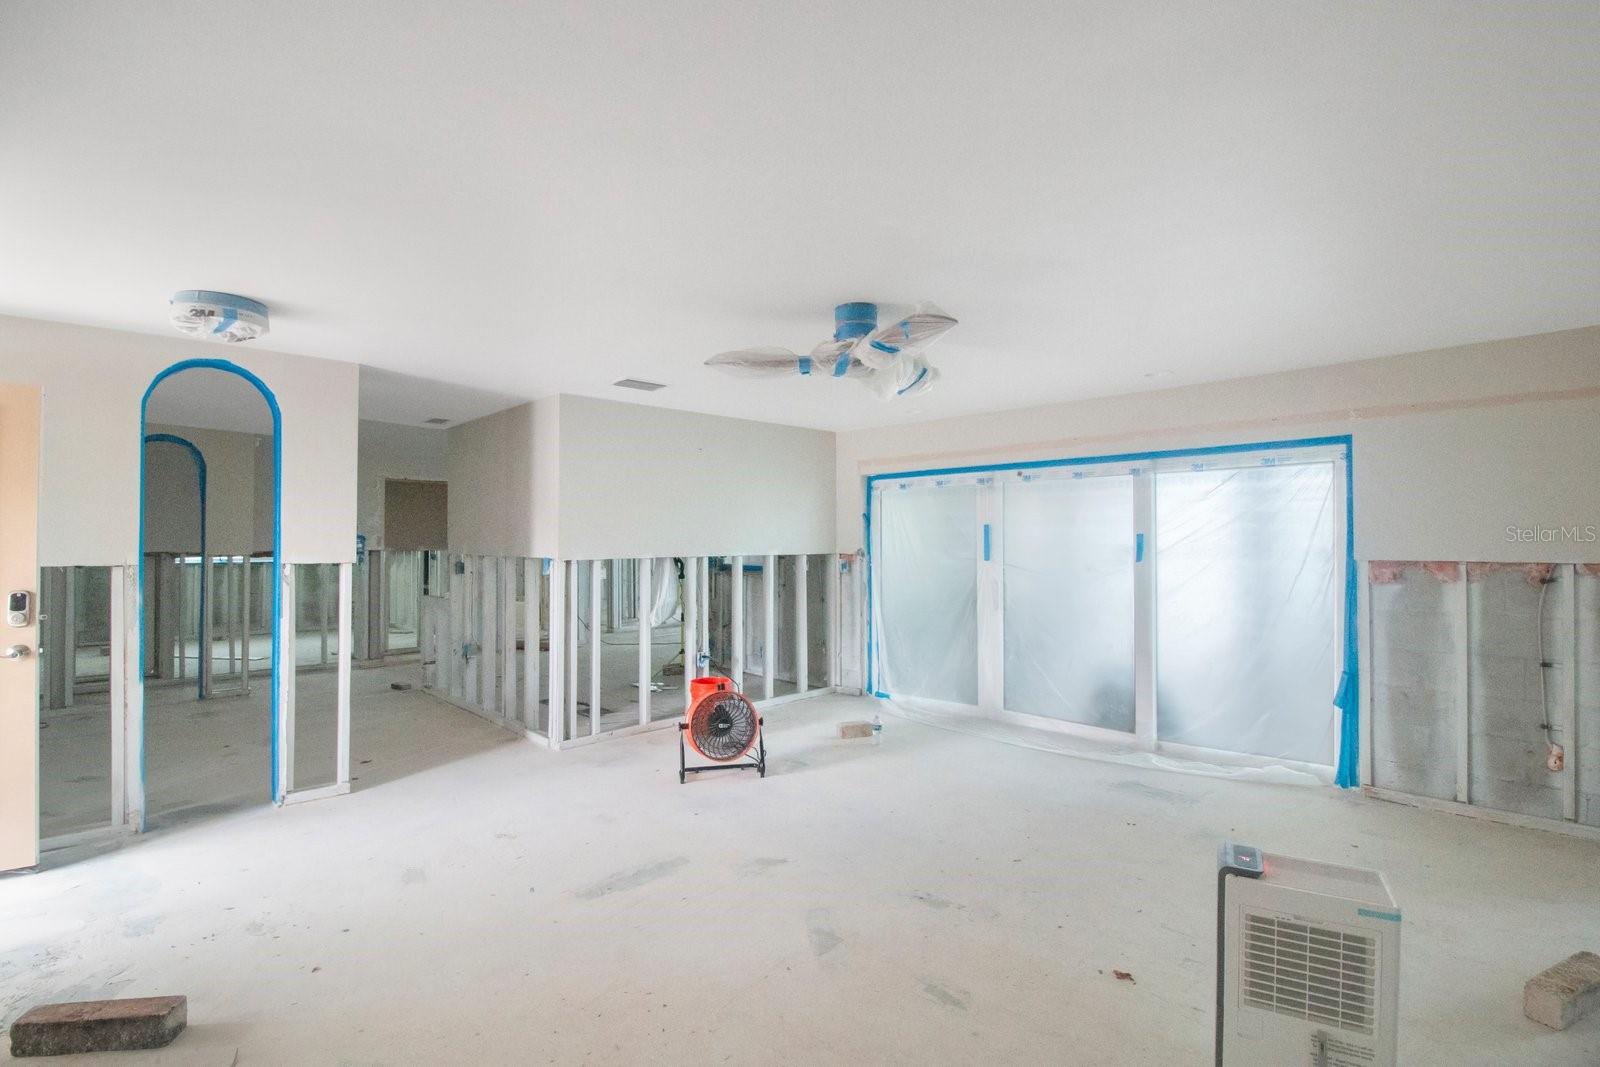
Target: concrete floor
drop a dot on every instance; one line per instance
(200, 756)
(941, 898)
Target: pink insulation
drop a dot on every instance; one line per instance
(1535, 573)
(1443, 570)
(1385, 571)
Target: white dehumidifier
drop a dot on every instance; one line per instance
(1308, 962)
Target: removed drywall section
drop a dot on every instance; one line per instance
(92, 381)
(389, 450)
(649, 481)
(493, 497)
(1418, 629)
(1451, 447)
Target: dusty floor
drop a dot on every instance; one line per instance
(940, 898)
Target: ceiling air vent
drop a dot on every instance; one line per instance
(639, 384)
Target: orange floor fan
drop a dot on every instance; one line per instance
(723, 726)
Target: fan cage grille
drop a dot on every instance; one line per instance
(723, 726)
(1311, 972)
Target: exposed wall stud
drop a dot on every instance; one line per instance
(832, 612)
(736, 657)
(204, 666)
(508, 639)
(532, 587)
(244, 614)
(286, 694)
(323, 596)
(1463, 718)
(691, 625)
(597, 577)
(1568, 713)
(488, 643)
(802, 640)
(769, 635)
(346, 652)
(119, 696)
(574, 574)
(555, 717)
(647, 634)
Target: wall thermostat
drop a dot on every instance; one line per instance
(18, 605)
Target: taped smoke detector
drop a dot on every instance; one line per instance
(219, 316)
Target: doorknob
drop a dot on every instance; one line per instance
(17, 652)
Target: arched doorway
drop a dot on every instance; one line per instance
(207, 403)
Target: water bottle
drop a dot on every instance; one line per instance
(877, 729)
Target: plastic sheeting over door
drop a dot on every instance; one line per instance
(1049, 590)
(926, 597)
(1245, 610)
(1069, 556)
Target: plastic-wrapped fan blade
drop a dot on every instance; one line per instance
(762, 363)
(831, 359)
(911, 377)
(888, 345)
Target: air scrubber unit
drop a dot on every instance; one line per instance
(1308, 963)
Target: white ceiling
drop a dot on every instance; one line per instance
(540, 197)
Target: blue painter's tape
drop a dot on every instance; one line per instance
(986, 531)
(1348, 699)
(852, 320)
(205, 559)
(1138, 548)
(912, 384)
(805, 364)
(229, 317)
(1124, 457)
(228, 367)
(1373, 913)
(841, 365)
(888, 349)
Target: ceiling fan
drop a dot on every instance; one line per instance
(889, 358)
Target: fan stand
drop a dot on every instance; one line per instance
(759, 764)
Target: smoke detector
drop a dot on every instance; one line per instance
(219, 316)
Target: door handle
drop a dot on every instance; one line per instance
(17, 652)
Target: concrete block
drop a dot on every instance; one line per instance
(99, 1026)
(849, 730)
(1565, 993)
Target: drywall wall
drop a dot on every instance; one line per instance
(389, 450)
(547, 475)
(647, 481)
(92, 381)
(238, 492)
(493, 496)
(1451, 447)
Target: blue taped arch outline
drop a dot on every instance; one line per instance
(1348, 697)
(200, 473)
(261, 387)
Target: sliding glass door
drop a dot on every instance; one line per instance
(1246, 609)
(1186, 600)
(926, 591)
(1069, 597)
